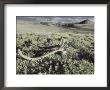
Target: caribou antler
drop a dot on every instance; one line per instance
(35, 59)
(41, 57)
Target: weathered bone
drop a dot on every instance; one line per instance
(35, 59)
(41, 57)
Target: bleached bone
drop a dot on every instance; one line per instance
(41, 57)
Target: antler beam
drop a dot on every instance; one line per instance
(41, 57)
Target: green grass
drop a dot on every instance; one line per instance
(78, 59)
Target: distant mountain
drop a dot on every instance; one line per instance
(55, 19)
(87, 21)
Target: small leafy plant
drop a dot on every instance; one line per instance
(77, 56)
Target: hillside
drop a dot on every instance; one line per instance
(30, 27)
(87, 21)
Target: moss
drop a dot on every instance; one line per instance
(78, 59)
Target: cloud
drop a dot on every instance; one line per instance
(55, 19)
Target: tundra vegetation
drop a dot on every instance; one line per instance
(55, 53)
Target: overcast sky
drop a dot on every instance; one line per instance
(55, 19)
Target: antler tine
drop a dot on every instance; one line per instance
(62, 42)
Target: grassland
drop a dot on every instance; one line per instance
(35, 40)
